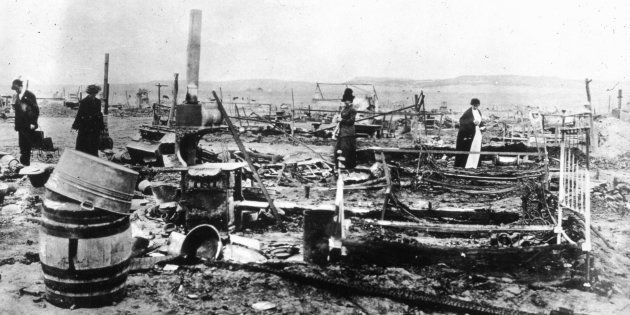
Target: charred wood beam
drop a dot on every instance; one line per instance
(465, 189)
(491, 178)
(394, 253)
(463, 228)
(413, 151)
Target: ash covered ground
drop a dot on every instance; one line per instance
(535, 284)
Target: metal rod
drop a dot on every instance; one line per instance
(371, 117)
(561, 192)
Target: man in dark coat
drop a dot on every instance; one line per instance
(466, 134)
(89, 122)
(346, 140)
(26, 115)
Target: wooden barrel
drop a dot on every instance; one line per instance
(84, 253)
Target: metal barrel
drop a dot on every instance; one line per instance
(84, 254)
(87, 179)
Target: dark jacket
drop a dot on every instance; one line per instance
(346, 125)
(24, 119)
(89, 118)
(465, 136)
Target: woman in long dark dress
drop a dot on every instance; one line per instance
(346, 141)
(89, 122)
(469, 131)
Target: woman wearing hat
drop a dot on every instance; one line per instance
(346, 141)
(89, 122)
(469, 136)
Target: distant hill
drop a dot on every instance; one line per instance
(498, 80)
(548, 93)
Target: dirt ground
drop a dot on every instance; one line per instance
(225, 289)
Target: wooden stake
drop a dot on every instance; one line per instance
(172, 111)
(292, 113)
(241, 147)
(106, 87)
(160, 85)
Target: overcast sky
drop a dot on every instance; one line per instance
(51, 42)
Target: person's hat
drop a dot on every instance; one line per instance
(92, 89)
(347, 95)
(17, 82)
(475, 101)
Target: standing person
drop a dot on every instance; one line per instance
(346, 141)
(26, 115)
(89, 122)
(469, 136)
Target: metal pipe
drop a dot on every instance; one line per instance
(194, 54)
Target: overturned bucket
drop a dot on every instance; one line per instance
(92, 181)
(202, 242)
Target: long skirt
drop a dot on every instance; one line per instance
(464, 141)
(88, 142)
(348, 147)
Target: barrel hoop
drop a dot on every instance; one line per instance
(85, 300)
(81, 231)
(86, 274)
(86, 289)
(93, 188)
(85, 217)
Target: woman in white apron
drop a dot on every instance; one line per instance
(469, 136)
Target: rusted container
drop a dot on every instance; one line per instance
(317, 227)
(211, 114)
(84, 253)
(198, 115)
(93, 182)
(188, 115)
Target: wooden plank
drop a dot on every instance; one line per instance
(414, 151)
(241, 147)
(463, 228)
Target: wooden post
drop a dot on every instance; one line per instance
(172, 111)
(106, 141)
(388, 180)
(588, 90)
(106, 87)
(424, 112)
(159, 85)
(241, 147)
(619, 105)
(292, 113)
(194, 54)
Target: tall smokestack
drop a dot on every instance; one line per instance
(194, 52)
